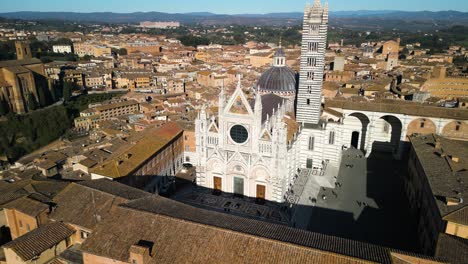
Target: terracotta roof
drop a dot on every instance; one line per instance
(127, 161)
(115, 188)
(115, 105)
(176, 231)
(452, 249)
(399, 107)
(446, 178)
(10, 63)
(32, 244)
(459, 216)
(27, 206)
(84, 204)
(178, 241)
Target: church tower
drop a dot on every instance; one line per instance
(314, 38)
(23, 50)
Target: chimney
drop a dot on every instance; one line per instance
(454, 201)
(140, 252)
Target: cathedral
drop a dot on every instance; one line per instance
(258, 148)
(254, 148)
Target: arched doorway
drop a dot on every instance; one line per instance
(387, 134)
(355, 139)
(359, 123)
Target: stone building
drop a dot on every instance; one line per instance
(149, 163)
(23, 50)
(256, 148)
(437, 188)
(22, 79)
(279, 79)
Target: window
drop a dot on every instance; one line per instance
(187, 159)
(308, 101)
(309, 163)
(186, 137)
(309, 89)
(187, 148)
(422, 124)
(239, 134)
(313, 46)
(331, 138)
(311, 62)
(20, 223)
(313, 29)
(28, 227)
(134, 261)
(84, 234)
(311, 143)
(310, 76)
(457, 126)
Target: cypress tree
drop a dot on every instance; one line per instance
(4, 109)
(32, 105)
(67, 91)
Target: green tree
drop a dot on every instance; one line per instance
(67, 91)
(122, 51)
(4, 109)
(32, 104)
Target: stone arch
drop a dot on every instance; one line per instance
(238, 168)
(387, 133)
(260, 173)
(456, 129)
(215, 165)
(360, 125)
(423, 126)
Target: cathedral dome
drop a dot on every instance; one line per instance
(279, 78)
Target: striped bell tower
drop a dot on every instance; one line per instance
(314, 39)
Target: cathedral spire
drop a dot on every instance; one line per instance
(258, 102)
(222, 98)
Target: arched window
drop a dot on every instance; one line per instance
(311, 143)
(331, 138)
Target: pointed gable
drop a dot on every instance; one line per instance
(266, 135)
(238, 107)
(238, 103)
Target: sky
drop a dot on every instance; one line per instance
(224, 6)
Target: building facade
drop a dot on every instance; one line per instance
(256, 148)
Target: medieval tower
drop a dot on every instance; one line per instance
(314, 38)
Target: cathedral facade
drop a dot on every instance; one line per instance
(259, 148)
(255, 148)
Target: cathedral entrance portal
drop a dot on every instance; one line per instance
(238, 186)
(355, 139)
(261, 193)
(217, 185)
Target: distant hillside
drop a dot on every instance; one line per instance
(342, 17)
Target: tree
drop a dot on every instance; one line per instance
(4, 109)
(67, 91)
(32, 104)
(122, 51)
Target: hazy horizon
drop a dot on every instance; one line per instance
(229, 8)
